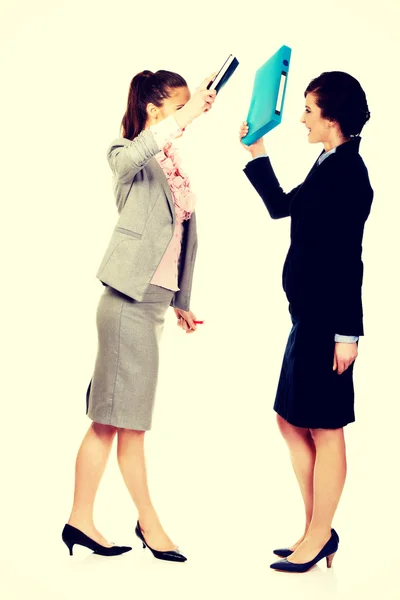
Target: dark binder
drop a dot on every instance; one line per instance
(224, 74)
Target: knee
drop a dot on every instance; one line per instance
(289, 431)
(130, 441)
(283, 425)
(326, 435)
(104, 431)
(131, 434)
(315, 434)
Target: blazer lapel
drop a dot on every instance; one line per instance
(312, 170)
(160, 176)
(326, 171)
(302, 197)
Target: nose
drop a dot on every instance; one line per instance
(302, 118)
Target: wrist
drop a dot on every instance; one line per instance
(255, 152)
(183, 118)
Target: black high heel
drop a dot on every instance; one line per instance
(172, 555)
(71, 536)
(328, 552)
(285, 552)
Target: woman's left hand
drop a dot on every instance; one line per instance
(186, 320)
(345, 354)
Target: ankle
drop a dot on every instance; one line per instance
(148, 520)
(318, 532)
(81, 521)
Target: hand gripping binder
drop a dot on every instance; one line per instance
(268, 96)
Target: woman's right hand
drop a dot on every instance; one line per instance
(201, 102)
(255, 149)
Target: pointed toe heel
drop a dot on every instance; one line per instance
(170, 555)
(328, 552)
(72, 536)
(286, 552)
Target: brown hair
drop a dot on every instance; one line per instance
(342, 99)
(147, 87)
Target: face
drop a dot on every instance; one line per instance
(178, 98)
(320, 129)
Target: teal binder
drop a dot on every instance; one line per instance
(268, 98)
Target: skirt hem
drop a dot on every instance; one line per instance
(313, 426)
(118, 424)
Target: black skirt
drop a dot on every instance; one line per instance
(310, 393)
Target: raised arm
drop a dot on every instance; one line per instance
(261, 175)
(126, 158)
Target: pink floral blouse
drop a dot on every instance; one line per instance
(184, 202)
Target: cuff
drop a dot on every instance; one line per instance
(347, 339)
(259, 156)
(165, 131)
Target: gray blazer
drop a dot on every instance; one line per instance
(146, 223)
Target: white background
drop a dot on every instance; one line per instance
(219, 472)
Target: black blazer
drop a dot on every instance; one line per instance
(323, 270)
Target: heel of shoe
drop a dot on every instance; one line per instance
(329, 560)
(68, 540)
(139, 534)
(69, 545)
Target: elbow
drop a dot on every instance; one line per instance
(124, 177)
(123, 173)
(276, 214)
(275, 209)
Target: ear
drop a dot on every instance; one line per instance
(329, 124)
(152, 111)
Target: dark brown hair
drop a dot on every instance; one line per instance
(147, 87)
(342, 99)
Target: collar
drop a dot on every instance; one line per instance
(325, 155)
(347, 148)
(350, 147)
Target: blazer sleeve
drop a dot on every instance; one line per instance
(350, 214)
(262, 177)
(126, 159)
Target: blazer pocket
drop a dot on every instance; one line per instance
(133, 234)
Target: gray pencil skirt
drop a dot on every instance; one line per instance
(123, 386)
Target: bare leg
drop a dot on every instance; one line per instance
(302, 454)
(132, 463)
(90, 464)
(329, 479)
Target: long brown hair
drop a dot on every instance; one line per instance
(144, 88)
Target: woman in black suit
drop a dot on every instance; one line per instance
(322, 278)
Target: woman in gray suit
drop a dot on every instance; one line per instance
(147, 267)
